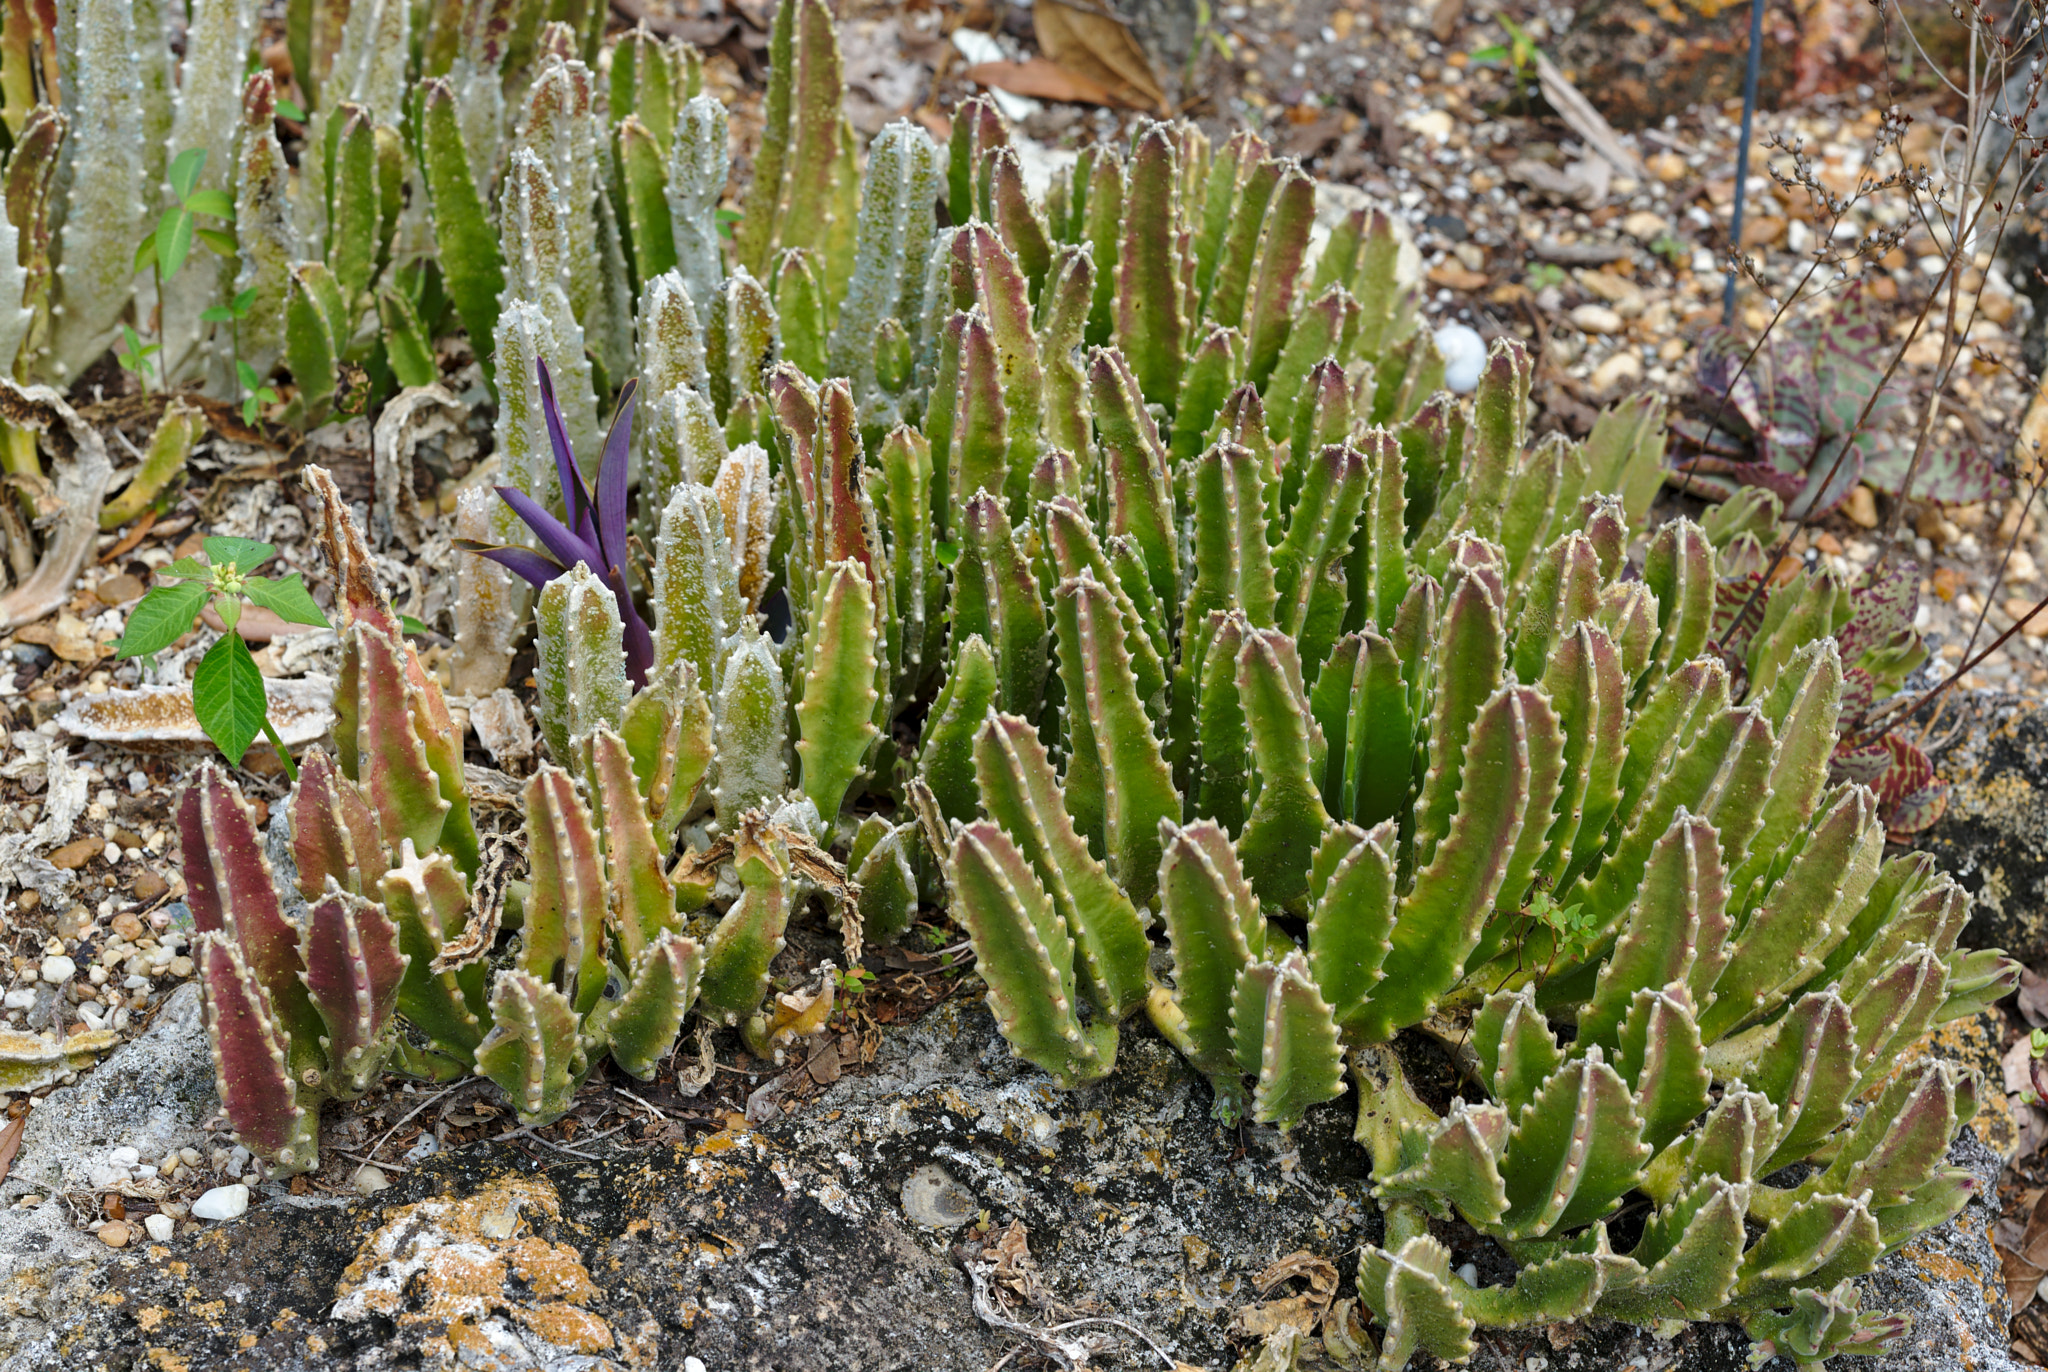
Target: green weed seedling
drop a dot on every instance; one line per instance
(227, 690)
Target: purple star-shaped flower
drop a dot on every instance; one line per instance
(595, 534)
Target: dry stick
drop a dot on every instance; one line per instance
(1960, 233)
(1895, 717)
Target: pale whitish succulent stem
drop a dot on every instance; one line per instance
(579, 663)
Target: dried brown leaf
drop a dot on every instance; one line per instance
(2033, 998)
(1042, 79)
(1100, 47)
(10, 1143)
(1320, 1273)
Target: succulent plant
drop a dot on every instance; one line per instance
(1806, 414)
(1233, 637)
(385, 853)
(595, 533)
(1762, 619)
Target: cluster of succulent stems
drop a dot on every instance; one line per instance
(1141, 603)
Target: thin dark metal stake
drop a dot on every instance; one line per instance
(1749, 84)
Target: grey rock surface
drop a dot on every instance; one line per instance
(786, 1248)
(153, 1094)
(1994, 836)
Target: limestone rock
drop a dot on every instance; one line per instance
(787, 1248)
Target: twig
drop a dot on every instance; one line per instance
(414, 1111)
(372, 1162)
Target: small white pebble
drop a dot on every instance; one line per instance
(138, 782)
(160, 1227)
(125, 1156)
(1469, 1274)
(1464, 354)
(19, 1000)
(222, 1203)
(370, 1179)
(693, 1365)
(58, 969)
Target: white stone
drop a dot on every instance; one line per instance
(1596, 319)
(19, 1000)
(1464, 354)
(124, 1156)
(58, 969)
(1617, 370)
(370, 1179)
(222, 1203)
(160, 1227)
(693, 1365)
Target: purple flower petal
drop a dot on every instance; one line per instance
(567, 547)
(575, 494)
(536, 568)
(613, 475)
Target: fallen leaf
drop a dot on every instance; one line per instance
(1453, 274)
(1100, 47)
(1320, 1273)
(2024, 1254)
(2033, 998)
(257, 625)
(1042, 79)
(10, 1143)
(1267, 1318)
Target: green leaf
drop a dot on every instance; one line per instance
(173, 240)
(144, 251)
(186, 566)
(227, 696)
(161, 618)
(246, 374)
(220, 240)
(290, 109)
(185, 169)
(242, 302)
(219, 204)
(408, 625)
(245, 553)
(286, 597)
(217, 314)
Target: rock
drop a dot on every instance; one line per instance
(1647, 226)
(75, 854)
(1596, 319)
(57, 969)
(222, 1203)
(148, 886)
(160, 1227)
(1464, 354)
(788, 1248)
(1861, 507)
(367, 1179)
(115, 1234)
(1617, 371)
(154, 1094)
(932, 1198)
(1994, 835)
(119, 589)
